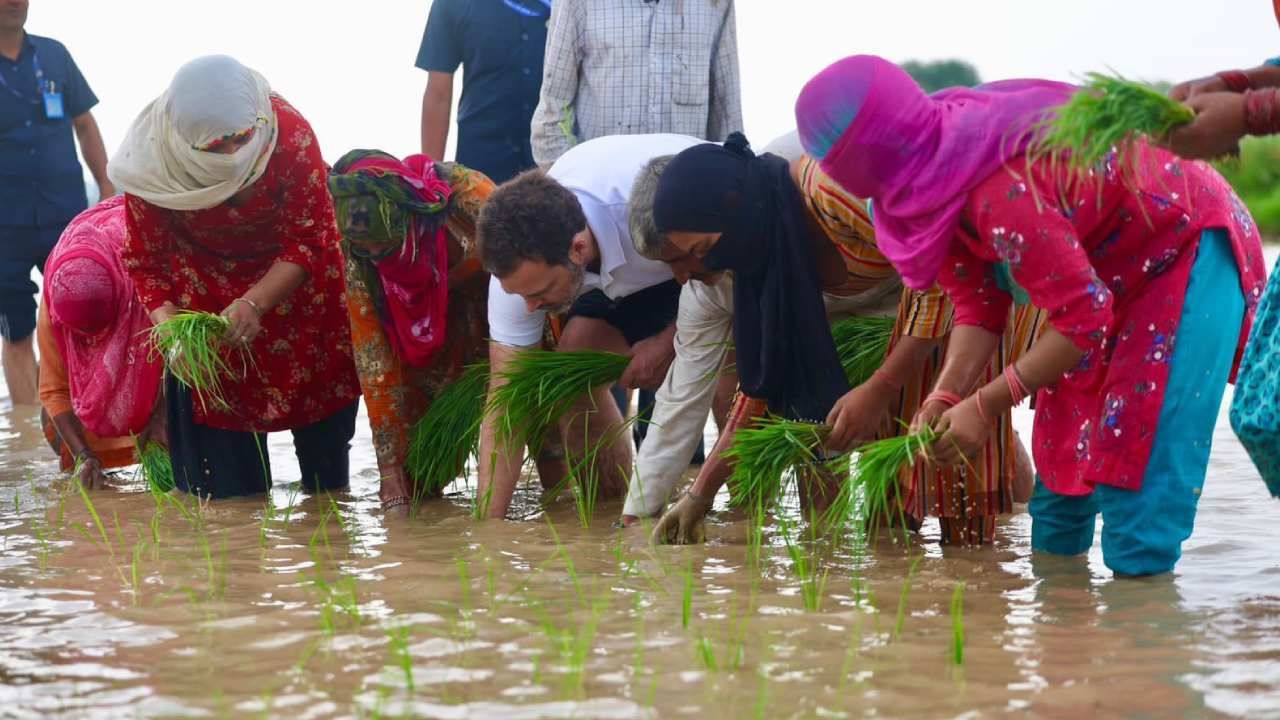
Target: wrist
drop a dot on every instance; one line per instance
(255, 307)
(1261, 112)
(883, 380)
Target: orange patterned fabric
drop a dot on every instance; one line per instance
(397, 395)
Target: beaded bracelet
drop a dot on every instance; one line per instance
(395, 502)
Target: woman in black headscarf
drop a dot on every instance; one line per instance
(742, 212)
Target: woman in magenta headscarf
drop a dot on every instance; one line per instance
(1149, 269)
(99, 382)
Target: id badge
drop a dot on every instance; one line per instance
(53, 105)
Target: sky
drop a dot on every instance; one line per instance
(348, 66)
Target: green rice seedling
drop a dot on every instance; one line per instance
(540, 385)
(135, 570)
(154, 465)
(1108, 113)
(861, 343)
(289, 504)
(871, 490)
(191, 344)
(902, 598)
(957, 625)
(464, 582)
(813, 583)
(760, 708)
(398, 646)
(686, 598)
(347, 523)
(583, 475)
(706, 653)
(448, 434)
(97, 519)
(568, 564)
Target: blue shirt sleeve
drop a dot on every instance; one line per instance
(441, 49)
(77, 97)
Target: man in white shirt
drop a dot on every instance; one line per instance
(559, 241)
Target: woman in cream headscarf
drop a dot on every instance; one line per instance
(228, 213)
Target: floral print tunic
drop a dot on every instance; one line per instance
(301, 370)
(1108, 257)
(396, 394)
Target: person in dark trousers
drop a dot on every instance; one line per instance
(44, 100)
(499, 44)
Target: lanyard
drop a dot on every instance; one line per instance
(526, 10)
(35, 64)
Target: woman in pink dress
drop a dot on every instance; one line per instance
(1148, 266)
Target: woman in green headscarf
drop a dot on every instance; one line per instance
(415, 291)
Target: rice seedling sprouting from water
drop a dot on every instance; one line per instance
(448, 433)
(540, 386)
(191, 345)
(154, 466)
(957, 625)
(1108, 112)
(813, 582)
(861, 343)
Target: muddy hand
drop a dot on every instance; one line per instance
(684, 523)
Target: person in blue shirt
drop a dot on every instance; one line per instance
(499, 44)
(44, 100)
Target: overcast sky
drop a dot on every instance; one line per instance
(348, 66)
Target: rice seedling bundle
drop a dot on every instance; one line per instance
(154, 466)
(191, 345)
(449, 432)
(861, 343)
(762, 456)
(1108, 112)
(875, 477)
(541, 385)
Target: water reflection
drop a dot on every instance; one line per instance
(298, 606)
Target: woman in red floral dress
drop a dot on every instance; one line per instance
(228, 212)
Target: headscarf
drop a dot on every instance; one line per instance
(391, 216)
(99, 324)
(785, 354)
(167, 156)
(876, 133)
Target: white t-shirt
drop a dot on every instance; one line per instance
(600, 173)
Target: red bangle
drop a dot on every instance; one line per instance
(1260, 112)
(1017, 389)
(1235, 80)
(982, 411)
(945, 397)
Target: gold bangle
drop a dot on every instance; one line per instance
(250, 303)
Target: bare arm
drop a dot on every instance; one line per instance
(863, 412)
(500, 463)
(94, 151)
(963, 429)
(437, 101)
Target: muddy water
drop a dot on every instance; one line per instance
(302, 607)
